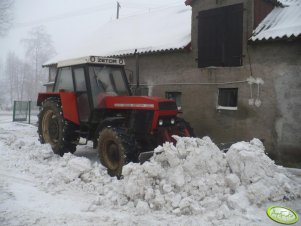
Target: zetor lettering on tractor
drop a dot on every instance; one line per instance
(91, 99)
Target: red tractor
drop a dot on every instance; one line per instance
(91, 99)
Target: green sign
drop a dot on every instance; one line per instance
(282, 215)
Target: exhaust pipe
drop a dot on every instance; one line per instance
(137, 73)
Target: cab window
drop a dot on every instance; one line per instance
(80, 81)
(107, 81)
(64, 80)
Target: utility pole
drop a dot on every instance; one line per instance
(118, 7)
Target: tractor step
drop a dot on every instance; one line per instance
(82, 143)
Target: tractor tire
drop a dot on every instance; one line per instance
(111, 151)
(54, 129)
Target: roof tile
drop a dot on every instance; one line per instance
(282, 22)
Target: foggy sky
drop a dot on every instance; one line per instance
(69, 21)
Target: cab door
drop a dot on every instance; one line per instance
(80, 87)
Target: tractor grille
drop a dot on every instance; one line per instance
(170, 105)
(143, 121)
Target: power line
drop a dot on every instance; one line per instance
(76, 13)
(91, 10)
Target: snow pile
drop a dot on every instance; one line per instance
(196, 177)
(262, 179)
(182, 179)
(191, 178)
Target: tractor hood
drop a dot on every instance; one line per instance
(139, 102)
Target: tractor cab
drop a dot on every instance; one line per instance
(91, 99)
(92, 79)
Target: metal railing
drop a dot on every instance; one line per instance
(24, 111)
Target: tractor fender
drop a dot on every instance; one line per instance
(44, 96)
(68, 104)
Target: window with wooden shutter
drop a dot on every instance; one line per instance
(220, 36)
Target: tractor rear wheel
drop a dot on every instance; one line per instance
(54, 129)
(111, 151)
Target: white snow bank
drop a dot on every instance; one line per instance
(192, 178)
(196, 177)
(263, 180)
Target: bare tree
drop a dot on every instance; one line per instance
(39, 49)
(13, 76)
(6, 16)
(3, 89)
(18, 79)
(27, 78)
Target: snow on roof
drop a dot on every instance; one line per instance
(282, 2)
(282, 22)
(287, 2)
(168, 29)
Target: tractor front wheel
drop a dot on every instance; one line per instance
(111, 151)
(184, 128)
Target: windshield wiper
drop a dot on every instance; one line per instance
(98, 82)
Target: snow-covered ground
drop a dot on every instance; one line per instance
(192, 183)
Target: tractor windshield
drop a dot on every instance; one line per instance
(107, 81)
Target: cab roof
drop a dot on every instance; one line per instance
(91, 60)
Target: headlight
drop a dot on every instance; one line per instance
(160, 122)
(172, 121)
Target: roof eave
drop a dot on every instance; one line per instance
(278, 38)
(275, 2)
(49, 64)
(152, 51)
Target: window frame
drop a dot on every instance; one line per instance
(75, 81)
(82, 112)
(227, 107)
(178, 101)
(92, 87)
(52, 74)
(59, 71)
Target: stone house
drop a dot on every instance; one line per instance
(259, 42)
(233, 66)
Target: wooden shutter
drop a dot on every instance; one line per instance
(233, 35)
(220, 36)
(210, 38)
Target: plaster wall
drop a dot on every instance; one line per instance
(277, 121)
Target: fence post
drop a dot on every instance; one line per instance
(29, 110)
(14, 112)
